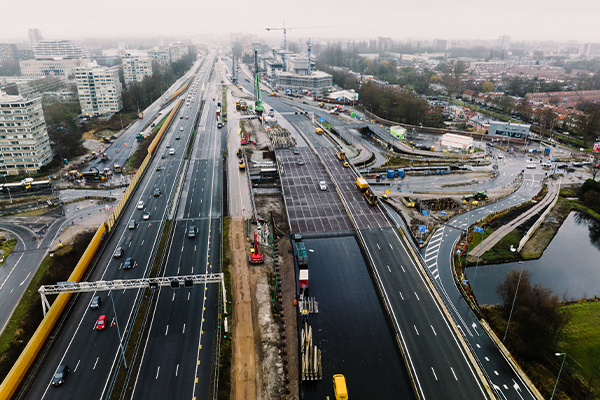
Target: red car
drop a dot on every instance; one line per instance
(101, 323)
(187, 117)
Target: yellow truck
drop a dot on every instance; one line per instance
(117, 168)
(362, 183)
(371, 197)
(339, 387)
(319, 131)
(340, 155)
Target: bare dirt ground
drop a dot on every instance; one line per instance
(243, 382)
(265, 356)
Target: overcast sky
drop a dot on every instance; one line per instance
(556, 20)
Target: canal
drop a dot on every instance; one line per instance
(570, 265)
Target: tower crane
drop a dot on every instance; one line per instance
(284, 29)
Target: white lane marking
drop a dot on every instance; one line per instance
(177, 370)
(21, 284)
(378, 246)
(433, 329)
(402, 268)
(188, 296)
(173, 297)
(391, 246)
(487, 359)
(417, 296)
(401, 295)
(183, 328)
(451, 369)
(416, 330)
(434, 375)
(78, 361)
(496, 373)
(167, 330)
(11, 271)
(389, 268)
(97, 358)
(157, 371)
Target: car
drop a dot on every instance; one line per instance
(181, 129)
(146, 215)
(163, 156)
(296, 151)
(96, 301)
(129, 263)
(140, 205)
(172, 151)
(60, 375)
(346, 164)
(152, 125)
(168, 145)
(158, 168)
(300, 161)
(157, 192)
(132, 224)
(192, 231)
(187, 117)
(118, 252)
(500, 157)
(177, 137)
(181, 117)
(531, 166)
(101, 323)
(322, 185)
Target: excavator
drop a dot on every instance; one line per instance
(259, 108)
(256, 257)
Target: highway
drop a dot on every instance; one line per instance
(177, 357)
(439, 363)
(92, 355)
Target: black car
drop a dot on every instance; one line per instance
(129, 263)
(118, 252)
(96, 301)
(157, 192)
(163, 156)
(60, 375)
(192, 231)
(177, 137)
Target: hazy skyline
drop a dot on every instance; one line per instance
(459, 19)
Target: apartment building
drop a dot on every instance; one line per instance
(99, 89)
(43, 68)
(57, 49)
(160, 55)
(24, 143)
(135, 69)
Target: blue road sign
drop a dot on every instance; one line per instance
(478, 229)
(443, 212)
(321, 119)
(422, 228)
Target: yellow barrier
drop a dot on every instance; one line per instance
(19, 370)
(164, 128)
(181, 89)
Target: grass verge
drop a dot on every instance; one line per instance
(139, 330)
(6, 247)
(28, 314)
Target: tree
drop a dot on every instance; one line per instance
(524, 110)
(487, 87)
(459, 69)
(538, 320)
(435, 79)
(505, 104)
(453, 85)
(593, 169)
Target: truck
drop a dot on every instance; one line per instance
(319, 131)
(103, 157)
(476, 196)
(302, 255)
(340, 155)
(92, 175)
(139, 137)
(218, 112)
(362, 183)
(371, 197)
(117, 168)
(141, 115)
(238, 106)
(303, 278)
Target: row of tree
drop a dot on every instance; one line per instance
(397, 105)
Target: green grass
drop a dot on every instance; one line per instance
(6, 246)
(582, 341)
(501, 253)
(159, 125)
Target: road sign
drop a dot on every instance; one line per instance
(422, 228)
(443, 212)
(478, 229)
(51, 73)
(321, 119)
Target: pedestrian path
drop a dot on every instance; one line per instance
(490, 241)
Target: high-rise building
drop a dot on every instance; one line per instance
(99, 89)
(135, 69)
(589, 49)
(8, 51)
(57, 49)
(42, 68)
(35, 35)
(24, 143)
(504, 42)
(177, 50)
(160, 55)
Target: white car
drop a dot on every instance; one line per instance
(322, 185)
(172, 151)
(500, 157)
(181, 129)
(140, 205)
(531, 166)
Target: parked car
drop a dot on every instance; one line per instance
(60, 375)
(96, 301)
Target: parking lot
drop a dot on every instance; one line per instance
(366, 216)
(309, 208)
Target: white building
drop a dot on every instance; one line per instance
(24, 143)
(520, 131)
(43, 68)
(135, 69)
(160, 55)
(177, 50)
(35, 35)
(457, 141)
(57, 49)
(99, 89)
(317, 81)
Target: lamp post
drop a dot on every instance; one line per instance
(561, 367)
(513, 303)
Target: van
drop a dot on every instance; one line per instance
(339, 387)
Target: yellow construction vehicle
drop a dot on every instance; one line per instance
(362, 183)
(319, 131)
(371, 197)
(340, 155)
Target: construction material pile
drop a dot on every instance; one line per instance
(280, 137)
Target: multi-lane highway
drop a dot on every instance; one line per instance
(93, 355)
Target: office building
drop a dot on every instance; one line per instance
(8, 51)
(24, 143)
(504, 42)
(99, 89)
(35, 35)
(57, 49)
(317, 81)
(42, 68)
(135, 69)
(519, 131)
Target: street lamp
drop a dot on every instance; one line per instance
(513, 303)
(561, 367)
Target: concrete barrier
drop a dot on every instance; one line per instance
(19, 370)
